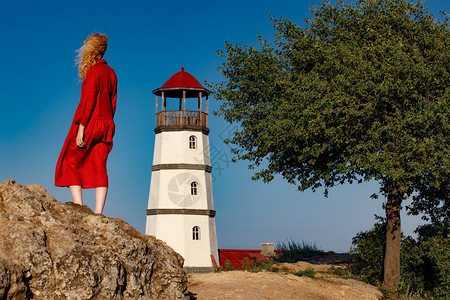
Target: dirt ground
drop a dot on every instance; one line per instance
(280, 285)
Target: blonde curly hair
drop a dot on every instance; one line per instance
(93, 49)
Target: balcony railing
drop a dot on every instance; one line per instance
(180, 120)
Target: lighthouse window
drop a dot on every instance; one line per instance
(194, 188)
(196, 233)
(192, 142)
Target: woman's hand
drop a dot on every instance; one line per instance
(80, 137)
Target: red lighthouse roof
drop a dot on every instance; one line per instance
(180, 81)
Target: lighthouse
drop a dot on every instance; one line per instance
(180, 205)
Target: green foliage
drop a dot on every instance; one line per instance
(292, 251)
(246, 264)
(284, 269)
(251, 265)
(274, 269)
(308, 272)
(346, 273)
(369, 247)
(361, 93)
(425, 266)
(430, 230)
(410, 296)
(227, 265)
(263, 266)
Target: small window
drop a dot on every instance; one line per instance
(196, 233)
(194, 188)
(192, 142)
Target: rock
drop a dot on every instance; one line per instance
(54, 250)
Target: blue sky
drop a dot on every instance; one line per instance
(148, 42)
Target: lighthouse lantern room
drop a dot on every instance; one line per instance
(180, 206)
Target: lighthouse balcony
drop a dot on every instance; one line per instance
(177, 120)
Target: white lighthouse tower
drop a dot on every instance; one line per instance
(180, 206)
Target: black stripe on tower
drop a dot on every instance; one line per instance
(182, 166)
(181, 211)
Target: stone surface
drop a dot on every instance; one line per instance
(54, 250)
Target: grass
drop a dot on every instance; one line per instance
(308, 272)
(253, 266)
(346, 273)
(292, 251)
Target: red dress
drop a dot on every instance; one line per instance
(86, 166)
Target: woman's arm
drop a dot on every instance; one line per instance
(80, 136)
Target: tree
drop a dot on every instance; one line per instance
(360, 94)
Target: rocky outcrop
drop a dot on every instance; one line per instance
(54, 250)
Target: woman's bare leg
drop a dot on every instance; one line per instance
(100, 199)
(77, 195)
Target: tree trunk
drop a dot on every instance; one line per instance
(393, 237)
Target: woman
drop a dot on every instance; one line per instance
(82, 162)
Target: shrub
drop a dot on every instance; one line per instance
(254, 266)
(369, 247)
(308, 272)
(425, 263)
(436, 267)
(227, 265)
(345, 273)
(246, 264)
(274, 269)
(251, 265)
(284, 269)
